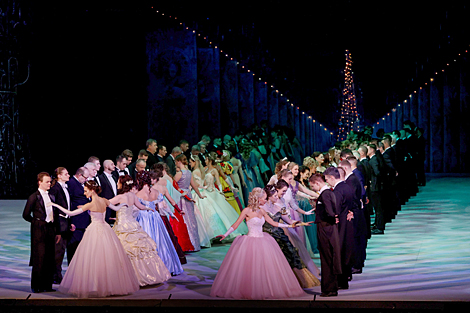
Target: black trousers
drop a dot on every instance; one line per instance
(42, 255)
(60, 248)
(376, 203)
(330, 256)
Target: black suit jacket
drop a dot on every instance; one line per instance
(325, 210)
(35, 213)
(77, 197)
(61, 200)
(344, 204)
(159, 158)
(353, 182)
(107, 192)
(375, 174)
(171, 164)
(132, 171)
(151, 160)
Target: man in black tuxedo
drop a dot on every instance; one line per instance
(170, 160)
(375, 191)
(121, 167)
(151, 146)
(203, 153)
(108, 183)
(368, 209)
(92, 171)
(161, 154)
(390, 180)
(44, 233)
(77, 198)
(143, 155)
(359, 221)
(344, 210)
(61, 194)
(328, 237)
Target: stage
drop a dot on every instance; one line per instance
(422, 262)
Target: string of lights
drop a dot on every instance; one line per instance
(410, 97)
(211, 44)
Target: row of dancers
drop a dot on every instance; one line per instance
(174, 215)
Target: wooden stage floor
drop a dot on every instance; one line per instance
(422, 262)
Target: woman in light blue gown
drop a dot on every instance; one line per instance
(153, 225)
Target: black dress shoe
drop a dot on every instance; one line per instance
(345, 287)
(377, 232)
(356, 270)
(50, 290)
(328, 294)
(34, 290)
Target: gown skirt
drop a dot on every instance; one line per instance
(100, 266)
(255, 268)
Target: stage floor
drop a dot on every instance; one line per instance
(424, 256)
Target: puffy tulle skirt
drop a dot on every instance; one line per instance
(255, 268)
(141, 250)
(100, 267)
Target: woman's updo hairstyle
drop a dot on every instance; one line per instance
(126, 184)
(182, 158)
(253, 199)
(143, 178)
(270, 190)
(92, 185)
(156, 174)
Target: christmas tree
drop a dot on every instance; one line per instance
(349, 118)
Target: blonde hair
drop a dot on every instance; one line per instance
(310, 162)
(253, 198)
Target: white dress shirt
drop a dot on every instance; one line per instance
(47, 199)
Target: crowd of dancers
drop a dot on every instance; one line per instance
(131, 224)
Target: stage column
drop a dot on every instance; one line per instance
(261, 102)
(273, 108)
(436, 122)
(172, 88)
(209, 91)
(229, 96)
(246, 99)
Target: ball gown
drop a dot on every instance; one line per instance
(153, 225)
(140, 248)
(187, 207)
(255, 268)
(217, 213)
(100, 266)
(178, 225)
(304, 276)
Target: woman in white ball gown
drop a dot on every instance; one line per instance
(100, 267)
(140, 248)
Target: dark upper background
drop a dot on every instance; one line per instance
(88, 61)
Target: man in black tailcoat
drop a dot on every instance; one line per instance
(170, 160)
(108, 183)
(344, 210)
(61, 194)
(360, 226)
(328, 237)
(390, 180)
(151, 146)
(375, 191)
(77, 198)
(44, 233)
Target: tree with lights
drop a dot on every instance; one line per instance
(349, 117)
